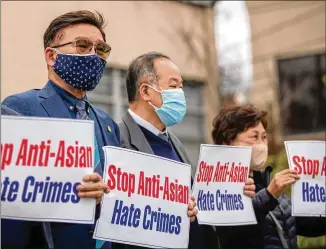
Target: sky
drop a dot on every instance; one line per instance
(233, 44)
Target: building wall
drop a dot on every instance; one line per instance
(281, 29)
(133, 27)
(184, 32)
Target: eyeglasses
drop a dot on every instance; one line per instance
(84, 46)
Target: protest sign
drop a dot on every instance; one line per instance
(148, 202)
(308, 158)
(43, 160)
(218, 186)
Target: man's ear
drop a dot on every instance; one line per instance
(50, 56)
(144, 92)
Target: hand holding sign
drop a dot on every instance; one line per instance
(281, 180)
(93, 187)
(249, 188)
(192, 211)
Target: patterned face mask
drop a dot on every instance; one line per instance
(82, 72)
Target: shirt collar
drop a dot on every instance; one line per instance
(148, 126)
(67, 96)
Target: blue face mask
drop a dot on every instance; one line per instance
(82, 72)
(174, 106)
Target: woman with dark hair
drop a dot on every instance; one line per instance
(276, 228)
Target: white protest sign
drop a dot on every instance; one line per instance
(218, 186)
(148, 202)
(43, 160)
(308, 158)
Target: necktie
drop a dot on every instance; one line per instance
(164, 137)
(82, 113)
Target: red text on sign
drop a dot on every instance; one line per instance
(149, 186)
(173, 191)
(205, 172)
(122, 181)
(308, 166)
(6, 154)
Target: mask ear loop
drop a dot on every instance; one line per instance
(154, 88)
(56, 50)
(156, 91)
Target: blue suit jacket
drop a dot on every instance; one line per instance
(7, 111)
(46, 102)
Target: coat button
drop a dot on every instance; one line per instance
(90, 233)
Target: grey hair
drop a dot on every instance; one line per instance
(140, 69)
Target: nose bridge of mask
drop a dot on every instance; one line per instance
(166, 94)
(58, 52)
(166, 97)
(259, 156)
(260, 147)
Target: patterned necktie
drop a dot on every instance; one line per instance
(82, 113)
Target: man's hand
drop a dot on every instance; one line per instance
(93, 187)
(281, 180)
(192, 211)
(249, 188)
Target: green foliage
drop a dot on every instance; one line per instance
(279, 163)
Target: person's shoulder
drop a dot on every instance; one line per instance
(20, 102)
(102, 114)
(8, 111)
(27, 95)
(175, 138)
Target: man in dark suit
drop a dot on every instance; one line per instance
(75, 52)
(156, 101)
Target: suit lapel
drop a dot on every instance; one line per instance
(177, 147)
(103, 126)
(52, 103)
(137, 137)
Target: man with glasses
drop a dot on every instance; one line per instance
(75, 53)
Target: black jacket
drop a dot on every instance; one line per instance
(264, 234)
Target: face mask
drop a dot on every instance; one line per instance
(259, 156)
(82, 72)
(174, 106)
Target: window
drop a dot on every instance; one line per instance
(191, 131)
(302, 94)
(111, 96)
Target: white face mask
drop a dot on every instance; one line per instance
(259, 156)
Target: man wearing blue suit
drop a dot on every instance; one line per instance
(75, 52)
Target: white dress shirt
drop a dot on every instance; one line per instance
(148, 126)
